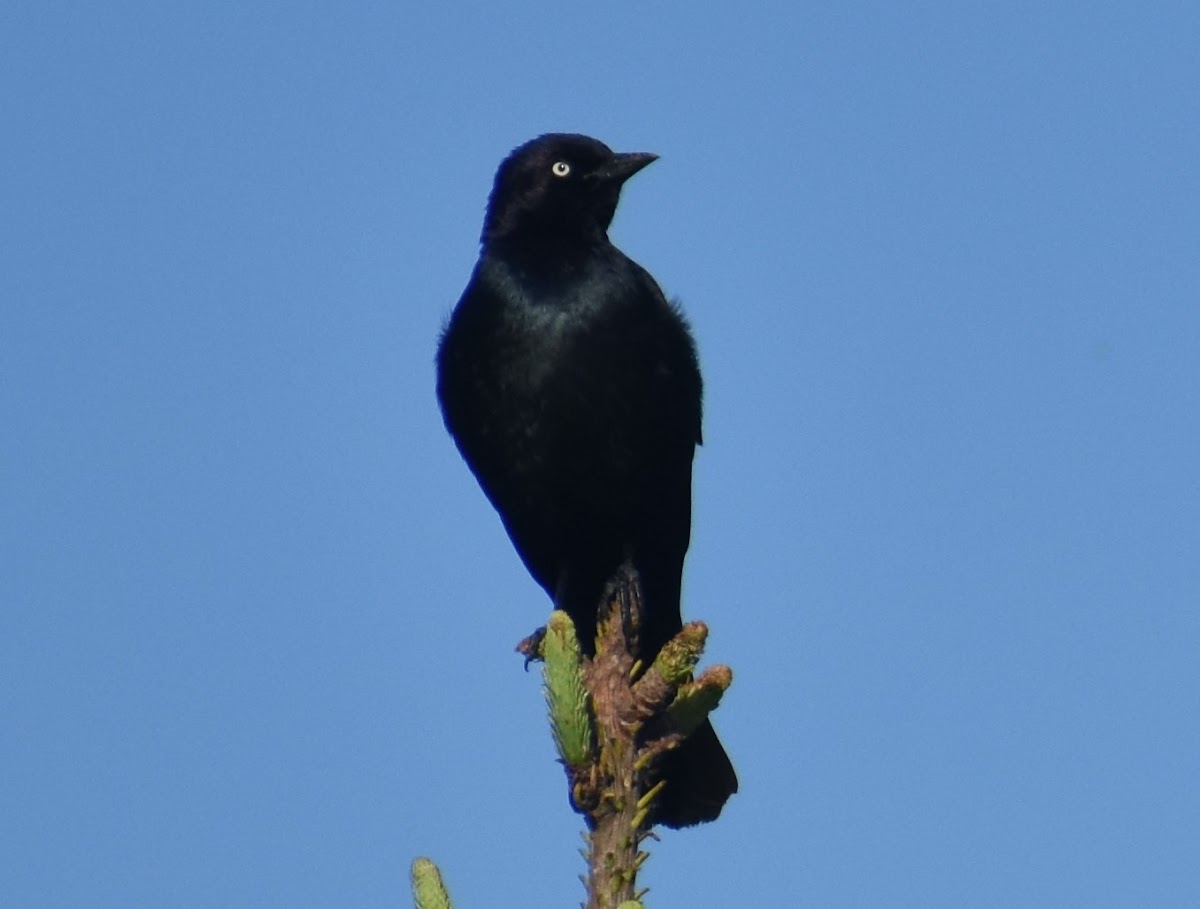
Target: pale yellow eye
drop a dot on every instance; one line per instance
(560, 168)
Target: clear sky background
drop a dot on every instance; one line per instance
(257, 619)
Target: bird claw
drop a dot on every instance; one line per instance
(531, 647)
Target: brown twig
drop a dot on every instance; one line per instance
(618, 814)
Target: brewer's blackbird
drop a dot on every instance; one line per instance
(571, 387)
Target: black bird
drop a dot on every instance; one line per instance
(572, 390)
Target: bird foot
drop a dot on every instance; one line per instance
(531, 647)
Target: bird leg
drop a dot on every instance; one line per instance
(531, 647)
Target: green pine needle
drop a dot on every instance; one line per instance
(566, 696)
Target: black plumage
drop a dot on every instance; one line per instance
(571, 387)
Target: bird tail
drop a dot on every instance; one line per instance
(699, 780)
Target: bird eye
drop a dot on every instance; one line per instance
(560, 168)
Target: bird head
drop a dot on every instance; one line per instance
(558, 186)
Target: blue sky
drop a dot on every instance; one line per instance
(256, 618)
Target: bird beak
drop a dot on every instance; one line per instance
(621, 167)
